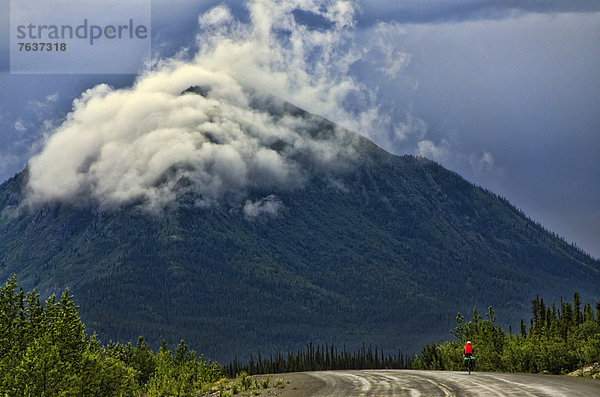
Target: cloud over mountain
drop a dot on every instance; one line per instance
(150, 143)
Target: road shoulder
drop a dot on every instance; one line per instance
(296, 384)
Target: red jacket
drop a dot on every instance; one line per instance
(468, 348)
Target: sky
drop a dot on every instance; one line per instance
(506, 93)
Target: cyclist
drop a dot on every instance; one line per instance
(468, 350)
(468, 356)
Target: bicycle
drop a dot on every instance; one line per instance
(470, 363)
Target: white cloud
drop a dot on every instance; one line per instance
(391, 59)
(269, 206)
(19, 126)
(427, 148)
(215, 17)
(149, 144)
(308, 67)
(52, 97)
(45, 106)
(486, 160)
(485, 164)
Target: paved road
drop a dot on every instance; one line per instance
(435, 383)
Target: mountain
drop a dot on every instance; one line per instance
(385, 250)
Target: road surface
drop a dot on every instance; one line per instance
(383, 383)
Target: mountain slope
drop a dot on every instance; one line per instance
(386, 250)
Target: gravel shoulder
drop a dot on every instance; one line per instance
(298, 384)
(430, 383)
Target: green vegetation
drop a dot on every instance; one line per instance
(246, 385)
(44, 351)
(559, 340)
(320, 358)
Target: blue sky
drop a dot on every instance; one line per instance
(506, 93)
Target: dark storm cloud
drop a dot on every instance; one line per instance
(436, 11)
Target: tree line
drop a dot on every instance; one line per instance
(558, 339)
(320, 357)
(45, 351)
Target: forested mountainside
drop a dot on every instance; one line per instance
(385, 251)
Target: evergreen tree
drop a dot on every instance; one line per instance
(559, 341)
(44, 351)
(588, 314)
(143, 361)
(577, 316)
